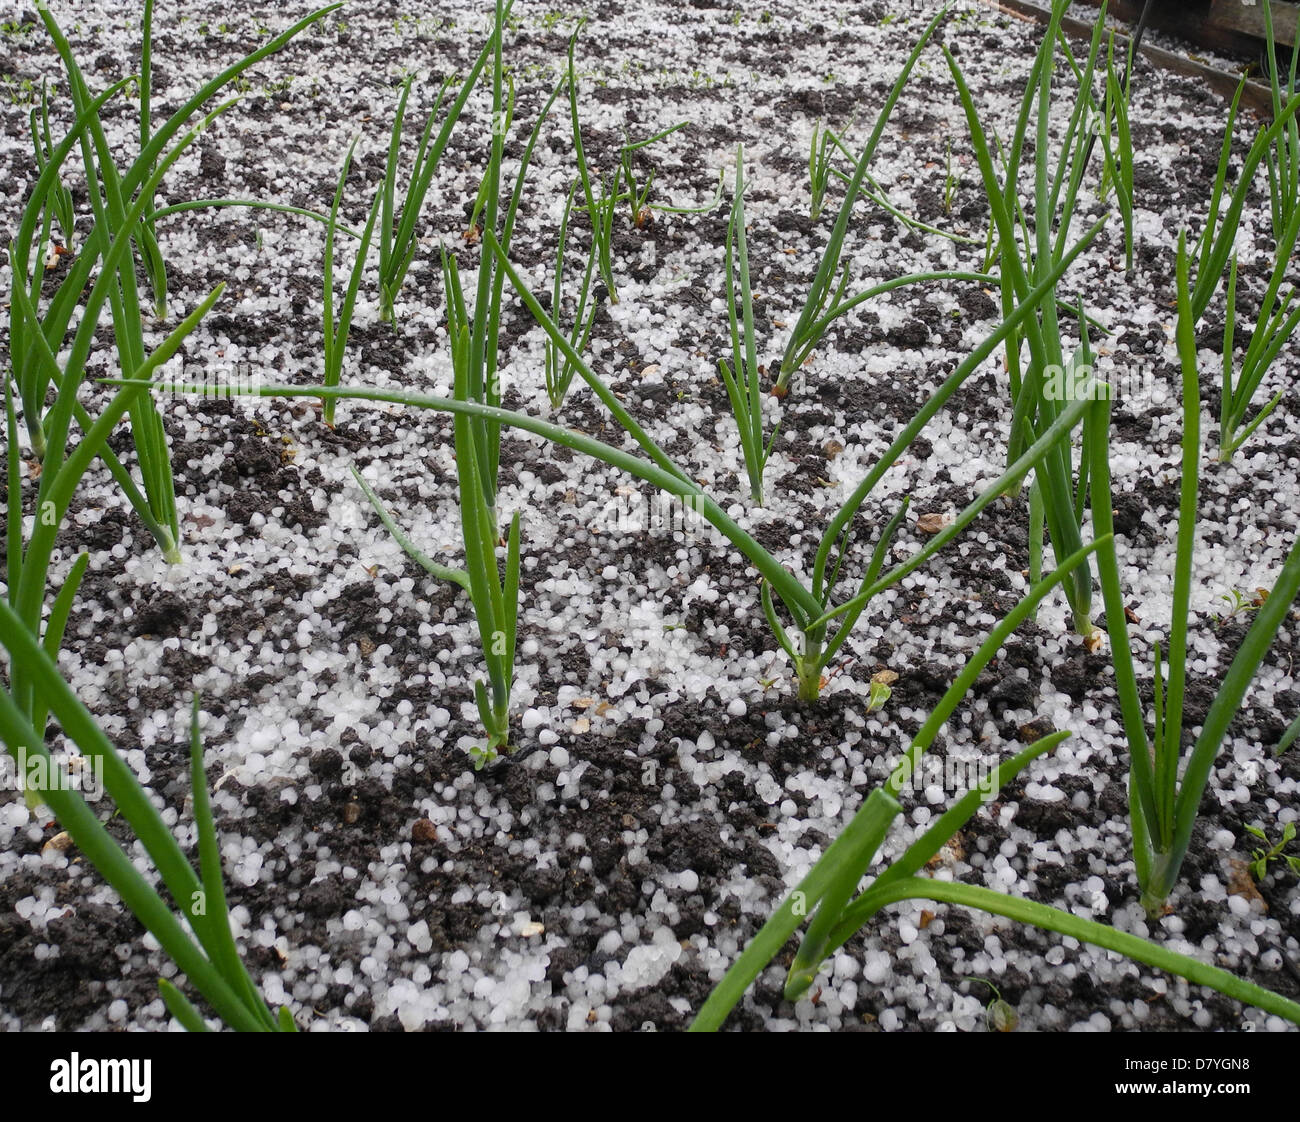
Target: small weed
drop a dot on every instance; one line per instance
(999, 1015)
(1260, 858)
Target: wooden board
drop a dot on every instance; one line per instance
(1248, 19)
(1230, 26)
(1256, 96)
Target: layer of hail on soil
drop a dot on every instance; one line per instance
(667, 791)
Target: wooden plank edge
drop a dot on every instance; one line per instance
(1256, 97)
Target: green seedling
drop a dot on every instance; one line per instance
(473, 336)
(496, 600)
(1277, 147)
(397, 245)
(622, 187)
(1277, 321)
(36, 367)
(999, 1015)
(473, 333)
(819, 168)
(1261, 857)
(1117, 146)
(1216, 245)
(58, 202)
(638, 195)
(1238, 605)
(871, 191)
(600, 211)
(154, 261)
(877, 695)
(29, 553)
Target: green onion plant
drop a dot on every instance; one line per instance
(150, 254)
(1282, 157)
(121, 202)
(1117, 146)
(1217, 241)
(335, 328)
(559, 370)
(390, 261)
(1163, 803)
(743, 377)
(839, 907)
(1277, 317)
(58, 203)
(477, 441)
(496, 599)
(621, 187)
(1276, 323)
(826, 301)
(819, 169)
(473, 333)
(638, 195)
(1040, 390)
(600, 210)
(811, 607)
(397, 243)
(36, 368)
(194, 929)
(29, 553)
(198, 937)
(482, 320)
(871, 191)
